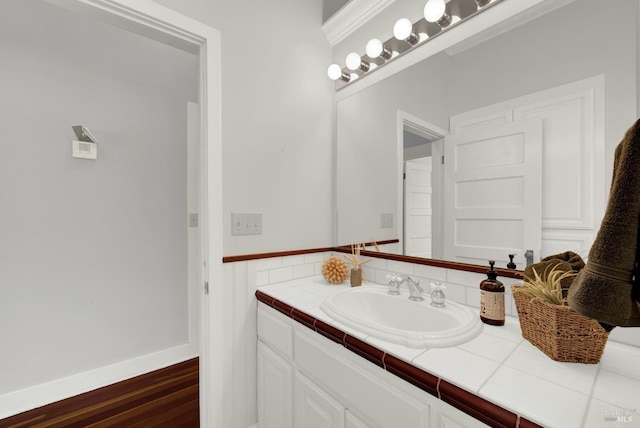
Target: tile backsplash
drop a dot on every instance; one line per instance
(279, 269)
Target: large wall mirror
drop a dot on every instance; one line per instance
(499, 145)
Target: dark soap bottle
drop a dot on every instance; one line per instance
(492, 298)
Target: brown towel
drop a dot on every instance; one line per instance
(570, 257)
(565, 262)
(608, 289)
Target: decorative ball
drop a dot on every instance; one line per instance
(335, 270)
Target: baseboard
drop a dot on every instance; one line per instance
(60, 389)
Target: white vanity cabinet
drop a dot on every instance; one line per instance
(314, 407)
(275, 380)
(306, 380)
(448, 416)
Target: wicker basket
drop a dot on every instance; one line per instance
(558, 331)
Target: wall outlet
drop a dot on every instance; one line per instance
(386, 220)
(246, 224)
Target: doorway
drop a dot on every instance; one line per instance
(166, 26)
(420, 180)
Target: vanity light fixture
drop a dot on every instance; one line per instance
(375, 49)
(436, 11)
(354, 62)
(335, 73)
(403, 30)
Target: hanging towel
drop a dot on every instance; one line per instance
(608, 288)
(564, 262)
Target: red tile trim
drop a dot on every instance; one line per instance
(330, 332)
(507, 273)
(264, 298)
(304, 319)
(365, 350)
(525, 423)
(477, 407)
(283, 307)
(423, 380)
(245, 257)
(481, 409)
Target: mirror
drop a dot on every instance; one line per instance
(578, 61)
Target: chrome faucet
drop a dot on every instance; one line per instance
(415, 291)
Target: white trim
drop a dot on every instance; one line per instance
(59, 389)
(168, 26)
(352, 16)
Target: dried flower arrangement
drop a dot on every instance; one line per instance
(357, 273)
(335, 270)
(354, 258)
(547, 286)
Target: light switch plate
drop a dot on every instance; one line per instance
(246, 224)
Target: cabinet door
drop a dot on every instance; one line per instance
(274, 389)
(314, 408)
(352, 421)
(450, 417)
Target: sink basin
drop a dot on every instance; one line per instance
(372, 311)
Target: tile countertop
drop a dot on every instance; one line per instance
(502, 367)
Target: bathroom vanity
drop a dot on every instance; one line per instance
(324, 384)
(315, 371)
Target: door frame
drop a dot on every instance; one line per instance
(432, 132)
(165, 25)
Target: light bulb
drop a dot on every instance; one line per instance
(353, 61)
(434, 10)
(402, 29)
(374, 48)
(334, 72)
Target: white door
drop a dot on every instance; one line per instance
(492, 193)
(417, 208)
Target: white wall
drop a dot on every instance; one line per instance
(277, 119)
(93, 254)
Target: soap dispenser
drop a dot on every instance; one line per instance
(492, 298)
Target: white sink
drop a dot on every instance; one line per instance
(371, 310)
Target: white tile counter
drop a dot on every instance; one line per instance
(502, 367)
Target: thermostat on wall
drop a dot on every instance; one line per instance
(84, 150)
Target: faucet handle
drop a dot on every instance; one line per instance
(437, 285)
(437, 295)
(394, 285)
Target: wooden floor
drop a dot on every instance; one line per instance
(164, 398)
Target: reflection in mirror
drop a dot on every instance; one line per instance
(492, 98)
